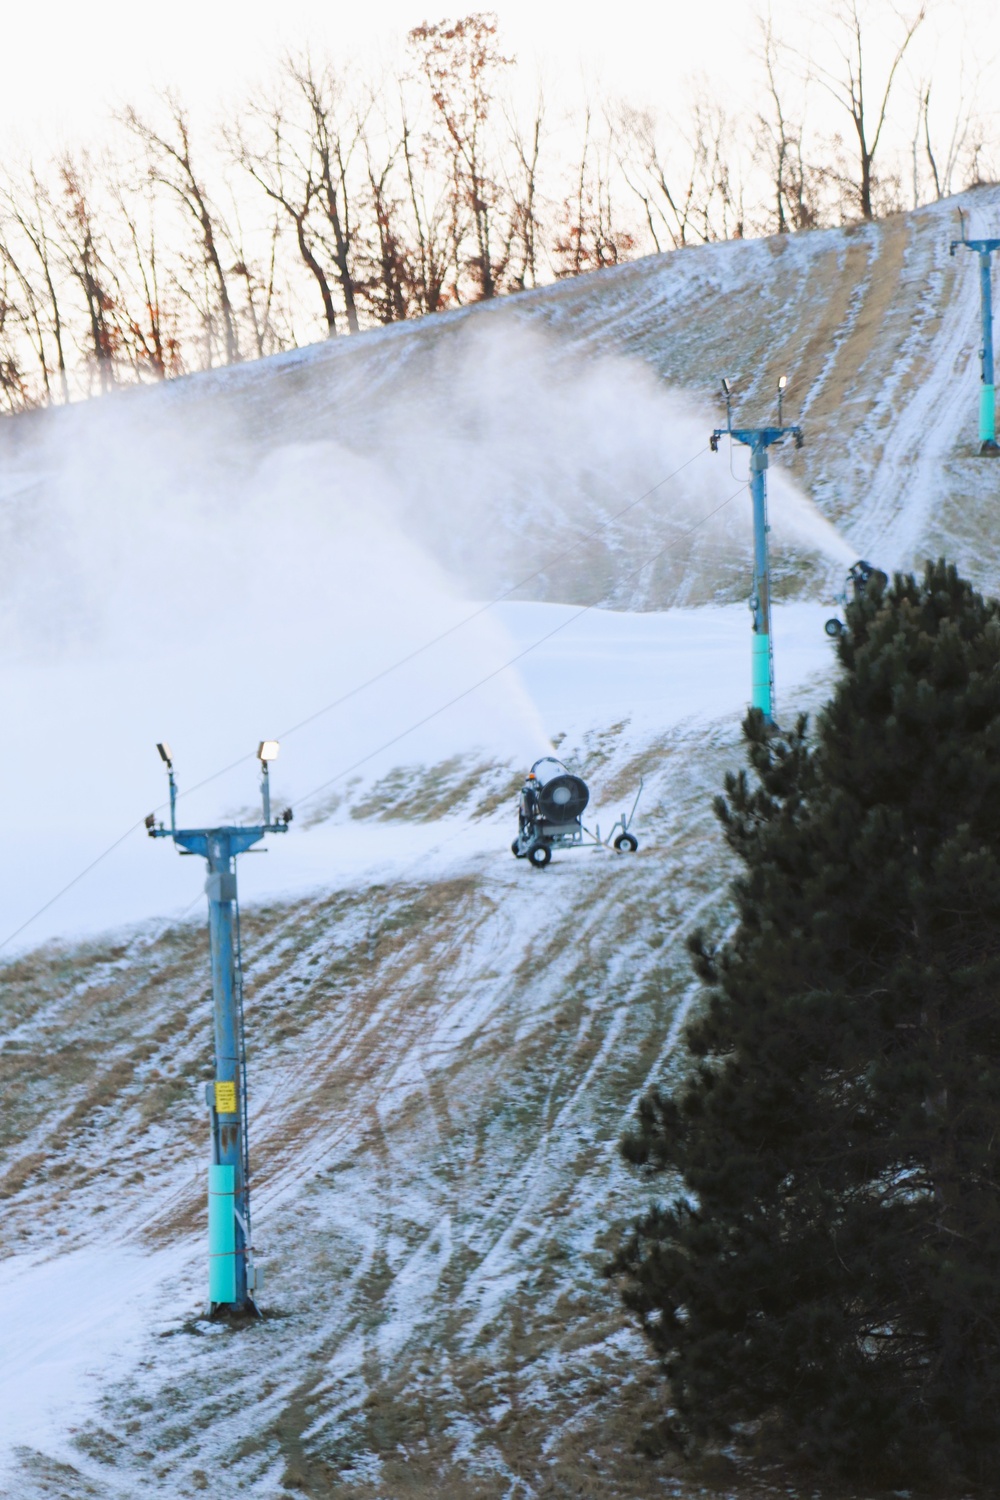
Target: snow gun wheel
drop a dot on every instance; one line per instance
(540, 856)
(626, 843)
(515, 851)
(834, 628)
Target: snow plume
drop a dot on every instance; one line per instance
(276, 579)
(170, 569)
(508, 446)
(161, 581)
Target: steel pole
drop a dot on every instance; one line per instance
(232, 1277)
(987, 395)
(227, 1217)
(762, 662)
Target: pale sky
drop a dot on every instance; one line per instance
(67, 66)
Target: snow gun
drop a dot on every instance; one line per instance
(550, 816)
(859, 579)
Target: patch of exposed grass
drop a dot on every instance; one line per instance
(424, 794)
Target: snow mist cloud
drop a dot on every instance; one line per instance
(508, 446)
(171, 569)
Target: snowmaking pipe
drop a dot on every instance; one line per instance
(758, 440)
(232, 1276)
(987, 393)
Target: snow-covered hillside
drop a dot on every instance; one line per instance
(444, 1044)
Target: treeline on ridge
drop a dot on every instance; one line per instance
(331, 202)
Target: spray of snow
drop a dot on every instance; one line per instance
(165, 583)
(282, 573)
(165, 575)
(507, 445)
(798, 523)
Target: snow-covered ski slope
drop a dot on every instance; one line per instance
(876, 326)
(444, 1044)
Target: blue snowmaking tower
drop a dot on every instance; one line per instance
(758, 440)
(987, 393)
(232, 1277)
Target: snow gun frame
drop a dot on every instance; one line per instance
(550, 816)
(859, 576)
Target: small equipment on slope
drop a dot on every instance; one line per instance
(550, 814)
(859, 579)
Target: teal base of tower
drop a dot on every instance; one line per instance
(760, 673)
(987, 420)
(221, 1235)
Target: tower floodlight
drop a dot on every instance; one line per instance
(232, 1276)
(987, 395)
(267, 751)
(758, 440)
(727, 390)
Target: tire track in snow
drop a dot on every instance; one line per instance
(909, 474)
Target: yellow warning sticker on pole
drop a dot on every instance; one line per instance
(225, 1098)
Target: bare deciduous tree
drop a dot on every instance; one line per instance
(522, 188)
(30, 255)
(690, 195)
(277, 167)
(371, 203)
(14, 386)
(304, 160)
(437, 226)
(152, 334)
(849, 87)
(955, 149)
(87, 259)
(459, 62)
(588, 238)
(794, 184)
(390, 291)
(260, 290)
(171, 164)
(332, 149)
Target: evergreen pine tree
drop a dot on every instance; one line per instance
(826, 1263)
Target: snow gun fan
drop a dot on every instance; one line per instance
(860, 578)
(550, 815)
